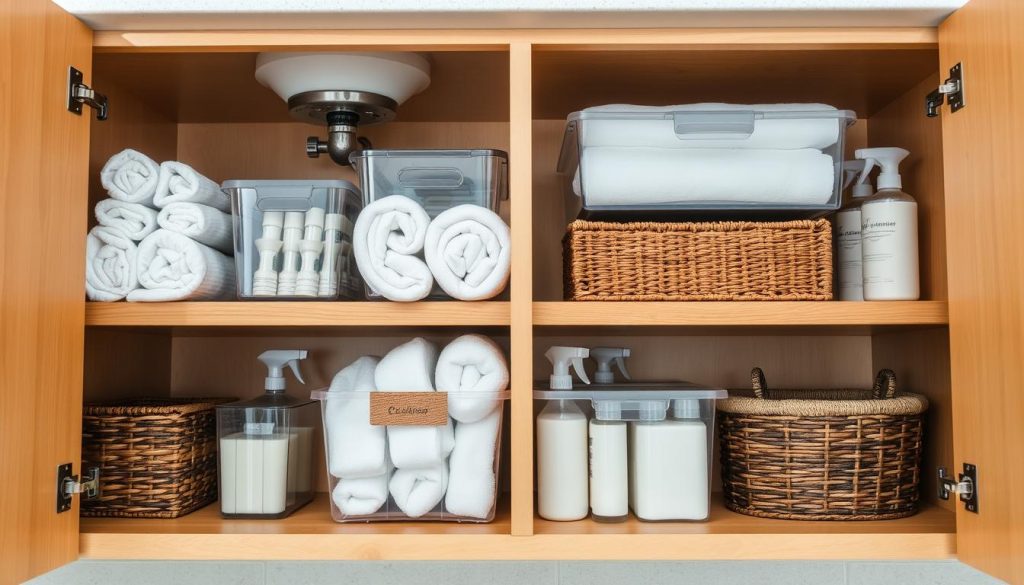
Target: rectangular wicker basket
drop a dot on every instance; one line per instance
(709, 261)
(157, 457)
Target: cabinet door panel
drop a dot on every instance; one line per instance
(44, 152)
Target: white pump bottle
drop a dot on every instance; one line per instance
(889, 232)
(562, 484)
(848, 238)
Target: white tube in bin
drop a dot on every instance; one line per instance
(293, 225)
(328, 285)
(264, 283)
(312, 244)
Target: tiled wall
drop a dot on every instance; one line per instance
(515, 573)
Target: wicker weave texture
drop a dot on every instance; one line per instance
(157, 458)
(710, 261)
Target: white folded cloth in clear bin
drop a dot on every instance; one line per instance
(204, 224)
(388, 235)
(355, 448)
(180, 182)
(418, 491)
(468, 249)
(131, 176)
(471, 478)
(471, 364)
(173, 267)
(110, 264)
(134, 219)
(363, 495)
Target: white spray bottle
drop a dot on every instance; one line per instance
(605, 357)
(889, 232)
(847, 228)
(562, 473)
(609, 470)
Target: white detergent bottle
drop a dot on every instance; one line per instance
(847, 226)
(889, 232)
(562, 475)
(609, 484)
(669, 465)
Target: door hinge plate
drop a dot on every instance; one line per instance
(965, 486)
(951, 91)
(68, 485)
(80, 94)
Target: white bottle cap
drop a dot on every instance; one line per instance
(273, 218)
(315, 217)
(652, 410)
(686, 408)
(862, 190)
(294, 220)
(608, 410)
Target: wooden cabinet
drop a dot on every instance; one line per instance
(192, 96)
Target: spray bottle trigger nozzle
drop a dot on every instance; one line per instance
(577, 364)
(294, 365)
(621, 363)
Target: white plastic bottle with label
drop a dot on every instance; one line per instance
(609, 479)
(669, 468)
(889, 232)
(562, 476)
(848, 238)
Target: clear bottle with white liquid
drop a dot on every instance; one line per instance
(562, 453)
(889, 232)
(849, 265)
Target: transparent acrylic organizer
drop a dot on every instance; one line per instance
(389, 511)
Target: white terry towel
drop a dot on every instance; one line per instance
(202, 223)
(468, 249)
(180, 182)
(471, 481)
(361, 496)
(131, 176)
(471, 364)
(418, 491)
(110, 267)
(355, 448)
(173, 267)
(653, 176)
(410, 368)
(136, 221)
(387, 236)
(660, 132)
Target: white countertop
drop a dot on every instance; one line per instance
(366, 14)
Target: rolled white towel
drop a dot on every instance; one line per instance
(173, 267)
(469, 253)
(110, 264)
(181, 183)
(388, 235)
(136, 221)
(361, 496)
(202, 223)
(355, 448)
(471, 364)
(418, 491)
(131, 176)
(472, 485)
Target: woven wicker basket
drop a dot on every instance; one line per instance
(822, 454)
(713, 261)
(157, 458)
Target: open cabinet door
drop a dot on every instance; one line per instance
(983, 151)
(44, 152)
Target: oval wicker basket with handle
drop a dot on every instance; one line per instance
(836, 454)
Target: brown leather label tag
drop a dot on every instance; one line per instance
(420, 409)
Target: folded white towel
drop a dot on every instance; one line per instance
(131, 176)
(658, 176)
(110, 264)
(388, 234)
(471, 483)
(468, 249)
(410, 368)
(355, 448)
(361, 496)
(202, 223)
(471, 364)
(181, 183)
(173, 267)
(660, 132)
(135, 220)
(418, 491)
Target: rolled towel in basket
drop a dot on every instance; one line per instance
(388, 235)
(363, 495)
(418, 491)
(355, 448)
(471, 364)
(661, 176)
(173, 267)
(131, 176)
(469, 253)
(471, 480)
(202, 223)
(110, 264)
(136, 221)
(181, 183)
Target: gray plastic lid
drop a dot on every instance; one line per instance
(268, 400)
(292, 183)
(428, 152)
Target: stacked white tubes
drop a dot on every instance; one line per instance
(265, 279)
(309, 279)
(328, 285)
(293, 227)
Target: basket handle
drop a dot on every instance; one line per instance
(886, 378)
(758, 382)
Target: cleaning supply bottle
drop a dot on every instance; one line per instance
(669, 465)
(562, 475)
(847, 227)
(609, 471)
(889, 232)
(604, 357)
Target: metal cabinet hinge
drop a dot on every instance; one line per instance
(965, 486)
(951, 90)
(68, 485)
(81, 94)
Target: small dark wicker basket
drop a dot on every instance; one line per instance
(822, 454)
(157, 457)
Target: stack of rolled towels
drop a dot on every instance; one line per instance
(163, 235)
(401, 252)
(419, 467)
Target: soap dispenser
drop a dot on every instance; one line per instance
(266, 446)
(604, 357)
(889, 232)
(562, 473)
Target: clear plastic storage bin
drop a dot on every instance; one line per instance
(705, 160)
(293, 239)
(443, 472)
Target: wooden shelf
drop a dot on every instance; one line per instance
(297, 314)
(311, 534)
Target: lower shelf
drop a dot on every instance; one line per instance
(311, 534)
